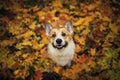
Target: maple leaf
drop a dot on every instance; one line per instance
(82, 59)
(38, 75)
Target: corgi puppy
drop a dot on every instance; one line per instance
(61, 47)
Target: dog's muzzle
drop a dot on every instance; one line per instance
(59, 44)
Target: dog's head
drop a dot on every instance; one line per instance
(59, 37)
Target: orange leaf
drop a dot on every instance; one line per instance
(82, 59)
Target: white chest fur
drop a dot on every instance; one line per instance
(64, 56)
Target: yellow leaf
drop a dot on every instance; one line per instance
(102, 27)
(80, 40)
(36, 8)
(27, 34)
(92, 7)
(18, 53)
(38, 46)
(93, 51)
(78, 48)
(26, 42)
(86, 31)
(16, 72)
(83, 21)
(79, 22)
(57, 4)
(57, 69)
(7, 42)
(72, 7)
(10, 62)
(25, 55)
(41, 45)
(33, 25)
(41, 13)
(19, 46)
(105, 18)
(114, 28)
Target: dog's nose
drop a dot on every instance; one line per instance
(58, 41)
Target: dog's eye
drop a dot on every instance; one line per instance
(63, 34)
(53, 35)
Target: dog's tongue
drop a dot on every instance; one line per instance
(59, 46)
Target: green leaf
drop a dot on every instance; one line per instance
(108, 60)
(66, 6)
(91, 27)
(1, 4)
(31, 70)
(29, 3)
(22, 67)
(109, 51)
(19, 79)
(112, 75)
(113, 53)
(36, 19)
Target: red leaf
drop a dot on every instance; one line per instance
(82, 59)
(63, 18)
(38, 75)
(39, 29)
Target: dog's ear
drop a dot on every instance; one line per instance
(48, 28)
(69, 26)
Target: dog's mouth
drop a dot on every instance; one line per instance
(59, 46)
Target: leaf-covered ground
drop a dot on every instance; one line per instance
(23, 43)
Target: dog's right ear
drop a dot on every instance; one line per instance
(48, 28)
(69, 26)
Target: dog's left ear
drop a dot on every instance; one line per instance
(48, 28)
(69, 26)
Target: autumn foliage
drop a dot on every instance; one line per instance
(23, 42)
